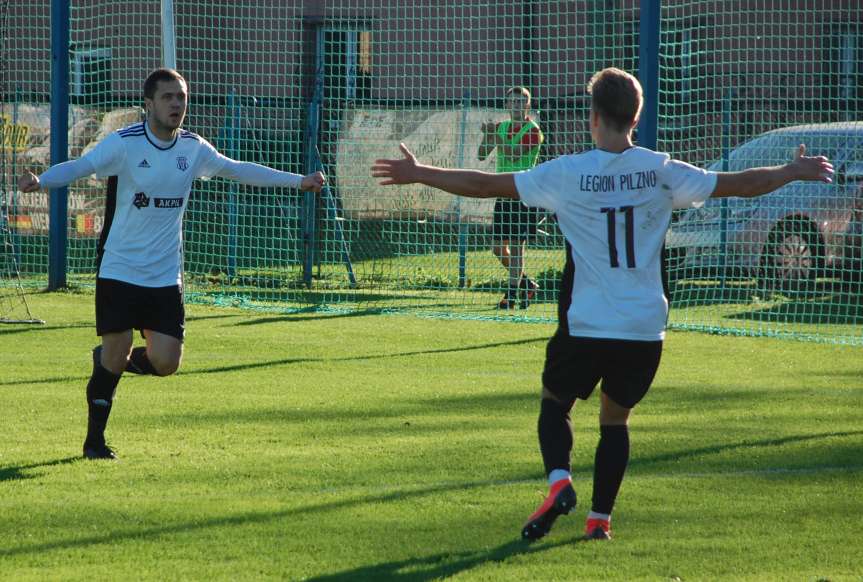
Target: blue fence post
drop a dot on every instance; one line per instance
(13, 203)
(648, 72)
(232, 143)
(58, 213)
(727, 103)
(459, 163)
(309, 211)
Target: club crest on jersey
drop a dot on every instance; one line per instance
(182, 163)
(141, 201)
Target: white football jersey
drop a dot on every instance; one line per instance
(614, 210)
(141, 241)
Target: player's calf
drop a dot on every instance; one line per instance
(100, 398)
(141, 361)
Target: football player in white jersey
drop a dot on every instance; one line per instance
(613, 204)
(150, 168)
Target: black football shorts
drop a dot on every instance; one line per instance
(121, 306)
(626, 368)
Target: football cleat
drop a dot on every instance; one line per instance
(97, 452)
(560, 501)
(597, 529)
(528, 288)
(508, 301)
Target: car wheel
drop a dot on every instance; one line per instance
(793, 256)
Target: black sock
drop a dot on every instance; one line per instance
(612, 456)
(555, 435)
(139, 363)
(100, 397)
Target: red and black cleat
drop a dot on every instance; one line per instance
(597, 529)
(560, 501)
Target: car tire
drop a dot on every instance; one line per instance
(793, 257)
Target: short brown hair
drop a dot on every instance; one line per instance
(161, 74)
(617, 97)
(520, 91)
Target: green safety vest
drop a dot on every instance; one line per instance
(525, 162)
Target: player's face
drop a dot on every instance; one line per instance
(167, 108)
(517, 104)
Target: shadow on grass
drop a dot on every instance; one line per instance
(754, 444)
(241, 519)
(837, 310)
(55, 380)
(440, 566)
(16, 472)
(10, 330)
(700, 293)
(829, 302)
(311, 314)
(390, 570)
(214, 316)
(410, 414)
(858, 374)
(291, 361)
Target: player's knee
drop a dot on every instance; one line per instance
(565, 404)
(164, 365)
(114, 357)
(612, 413)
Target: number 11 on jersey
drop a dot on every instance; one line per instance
(629, 219)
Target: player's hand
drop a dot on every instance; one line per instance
(815, 168)
(28, 182)
(403, 171)
(313, 182)
(489, 127)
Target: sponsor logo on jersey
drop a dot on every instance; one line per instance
(141, 200)
(144, 163)
(168, 202)
(182, 163)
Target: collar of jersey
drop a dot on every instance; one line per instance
(153, 143)
(615, 153)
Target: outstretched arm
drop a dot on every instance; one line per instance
(758, 181)
(258, 175)
(57, 176)
(469, 183)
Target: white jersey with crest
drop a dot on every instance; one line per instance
(148, 192)
(614, 210)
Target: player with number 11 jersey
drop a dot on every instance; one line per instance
(614, 210)
(614, 207)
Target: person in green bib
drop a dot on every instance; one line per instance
(517, 141)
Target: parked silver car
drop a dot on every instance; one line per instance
(790, 237)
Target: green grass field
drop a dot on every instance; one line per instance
(340, 446)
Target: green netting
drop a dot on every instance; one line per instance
(741, 85)
(337, 84)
